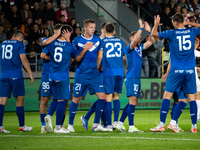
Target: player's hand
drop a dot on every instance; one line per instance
(32, 78)
(157, 20)
(147, 27)
(57, 33)
(88, 45)
(66, 35)
(164, 77)
(185, 22)
(140, 23)
(198, 69)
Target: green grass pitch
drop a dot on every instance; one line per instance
(88, 140)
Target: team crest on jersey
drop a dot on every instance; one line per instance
(139, 51)
(94, 46)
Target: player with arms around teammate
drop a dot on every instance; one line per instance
(86, 76)
(182, 72)
(112, 51)
(60, 52)
(12, 57)
(132, 81)
(45, 86)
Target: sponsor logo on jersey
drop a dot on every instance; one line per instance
(190, 71)
(179, 71)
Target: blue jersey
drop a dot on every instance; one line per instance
(181, 46)
(60, 53)
(11, 65)
(134, 61)
(113, 51)
(46, 63)
(88, 64)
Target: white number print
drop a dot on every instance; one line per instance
(136, 87)
(58, 53)
(116, 54)
(78, 87)
(183, 42)
(7, 51)
(45, 85)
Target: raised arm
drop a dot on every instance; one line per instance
(87, 46)
(137, 35)
(27, 66)
(151, 38)
(52, 38)
(155, 27)
(191, 23)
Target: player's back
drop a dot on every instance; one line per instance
(11, 65)
(60, 56)
(88, 63)
(113, 51)
(134, 61)
(181, 45)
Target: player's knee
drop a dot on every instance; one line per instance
(76, 99)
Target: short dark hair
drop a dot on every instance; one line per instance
(87, 21)
(132, 33)
(1, 25)
(178, 18)
(196, 8)
(66, 27)
(79, 28)
(62, 16)
(103, 25)
(110, 27)
(18, 33)
(58, 26)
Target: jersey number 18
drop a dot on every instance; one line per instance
(7, 51)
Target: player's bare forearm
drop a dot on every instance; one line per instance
(149, 42)
(192, 24)
(44, 56)
(81, 55)
(27, 66)
(154, 32)
(51, 39)
(168, 68)
(99, 58)
(71, 61)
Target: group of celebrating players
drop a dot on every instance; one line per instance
(99, 69)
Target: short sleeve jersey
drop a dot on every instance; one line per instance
(181, 46)
(113, 51)
(134, 61)
(88, 64)
(46, 63)
(60, 53)
(11, 65)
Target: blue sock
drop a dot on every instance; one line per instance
(1, 114)
(164, 110)
(63, 120)
(178, 110)
(91, 110)
(193, 112)
(131, 113)
(124, 113)
(173, 108)
(20, 114)
(60, 112)
(116, 109)
(109, 113)
(72, 112)
(42, 119)
(52, 107)
(99, 109)
(103, 116)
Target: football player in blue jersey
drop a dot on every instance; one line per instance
(133, 86)
(112, 51)
(12, 57)
(85, 118)
(87, 76)
(182, 72)
(60, 52)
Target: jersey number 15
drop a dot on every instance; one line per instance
(182, 41)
